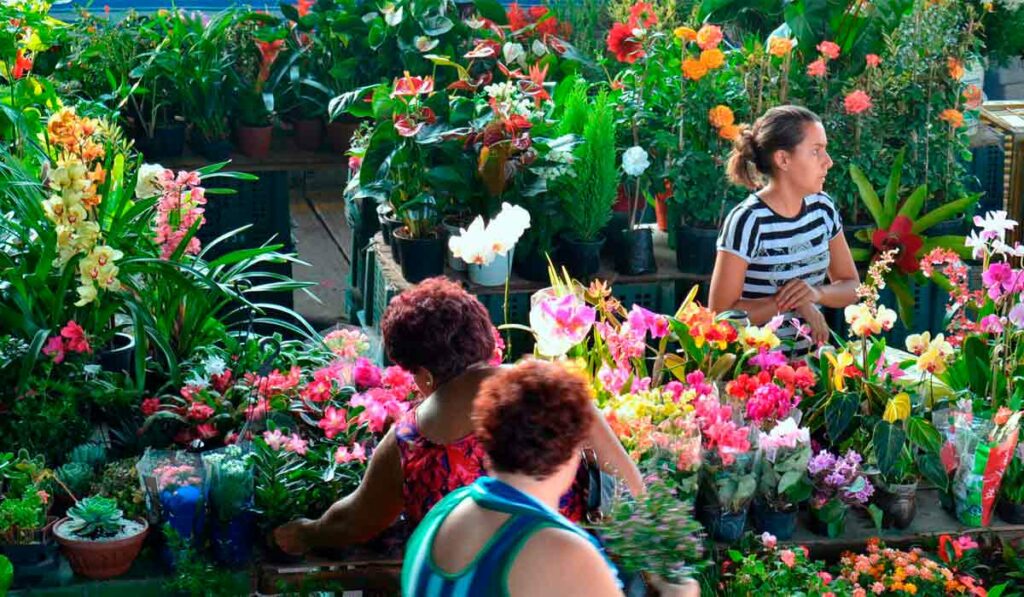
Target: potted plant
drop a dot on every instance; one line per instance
(782, 485)
(588, 196)
(97, 540)
(1011, 494)
(728, 482)
(25, 532)
(257, 49)
(119, 480)
(207, 84)
(174, 486)
(775, 570)
(488, 250)
(152, 91)
(839, 483)
(230, 475)
(655, 534)
(636, 253)
(76, 478)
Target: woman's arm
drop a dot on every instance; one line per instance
(727, 288)
(612, 456)
(360, 515)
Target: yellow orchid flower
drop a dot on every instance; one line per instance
(839, 364)
(898, 408)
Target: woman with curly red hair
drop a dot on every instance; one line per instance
(443, 335)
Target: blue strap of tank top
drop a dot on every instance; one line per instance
(493, 494)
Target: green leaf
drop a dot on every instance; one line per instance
(869, 196)
(876, 516)
(378, 34)
(892, 190)
(492, 10)
(6, 575)
(445, 61)
(945, 213)
(924, 435)
(912, 207)
(930, 465)
(839, 412)
(904, 298)
(888, 440)
(351, 102)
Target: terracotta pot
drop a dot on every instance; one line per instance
(254, 141)
(661, 213)
(339, 134)
(101, 559)
(309, 134)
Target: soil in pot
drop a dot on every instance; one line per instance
(421, 258)
(119, 354)
(636, 253)
(254, 141)
(309, 133)
(695, 249)
(103, 558)
(581, 258)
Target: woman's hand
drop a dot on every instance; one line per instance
(292, 537)
(796, 294)
(820, 331)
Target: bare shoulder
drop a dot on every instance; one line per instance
(560, 563)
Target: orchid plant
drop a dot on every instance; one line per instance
(480, 244)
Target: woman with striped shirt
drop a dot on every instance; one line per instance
(782, 250)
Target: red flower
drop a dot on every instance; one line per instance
(74, 337)
(900, 236)
(533, 86)
(413, 86)
(622, 43)
(642, 13)
(303, 7)
(22, 65)
(55, 348)
(207, 430)
(221, 382)
(516, 17)
(268, 53)
(198, 411)
(150, 406)
(545, 24)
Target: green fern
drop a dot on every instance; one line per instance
(588, 205)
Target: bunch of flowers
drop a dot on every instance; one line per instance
(771, 394)
(74, 183)
(179, 213)
(626, 40)
(774, 571)
(887, 571)
(660, 418)
(701, 49)
(841, 479)
(534, 31)
(347, 343)
(411, 113)
(72, 338)
(480, 244)
(622, 366)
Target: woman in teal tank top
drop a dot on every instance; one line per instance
(503, 535)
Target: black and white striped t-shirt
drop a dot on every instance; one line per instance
(778, 249)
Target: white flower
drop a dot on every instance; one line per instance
(635, 161)
(480, 244)
(147, 183)
(976, 244)
(392, 16)
(472, 245)
(886, 317)
(196, 381)
(215, 365)
(539, 49)
(425, 44)
(475, 23)
(1000, 247)
(994, 225)
(513, 52)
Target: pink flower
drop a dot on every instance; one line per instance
(769, 540)
(788, 557)
(965, 542)
(643, 321)
(825, 577)
(624, 344)
(295, 444)
(499, 348)
(997, 278)
(355, 163)
(343, 455)
(829, 49)
(991, 324)
(198, 411)
(55, 348)
(878, 588)
(857, 102)
(365, 374)
(150, 406)
(45, 497)
(321, 388)
(207, 430)
(334, 422)
(873, 60)
(768, 360)
(275, 439)
(375, 412)
(817, 68)
(75, 337)
(401, 382)
(675, 388)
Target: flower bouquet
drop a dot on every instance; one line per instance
(175, 496)
(783, 456)
(230, 477)
(838, 484)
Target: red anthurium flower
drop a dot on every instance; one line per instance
(406, 126)
(22, 65)
(412, 86)
(484, 49)
(900, 236)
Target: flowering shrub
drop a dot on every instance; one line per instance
(887, 571)
(771, 570)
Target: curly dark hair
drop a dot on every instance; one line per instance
(438, 326)
(532, 417)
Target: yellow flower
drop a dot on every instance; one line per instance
(779, 46)
(712, 59)
(694, 69)
(86, 295)
(839, 364)
(932, 361)
(898, 408)
(918, 343)
(685, 33)
(759, 337)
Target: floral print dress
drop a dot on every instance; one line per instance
(431, 471)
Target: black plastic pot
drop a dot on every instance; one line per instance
(421, 258)
(532, 265)
(636, 253)
(167, 142)
(695, 250)
(216, 150)
(369, 222)
(581, 258)
(781, 524)
(119, 354)
(1010, 512)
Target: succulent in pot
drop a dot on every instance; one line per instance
(98, 540)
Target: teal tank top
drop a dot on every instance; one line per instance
(488, 573)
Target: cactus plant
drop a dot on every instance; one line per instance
(92, 454)
(95, 517)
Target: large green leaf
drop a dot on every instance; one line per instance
(892, 190)
(839, 413)
(924, 435)
(888, 441)
(930, 465)
(899, 286)
(912, 206)
(492, 10)
(869, 197)
(947, 212)
(953, 242)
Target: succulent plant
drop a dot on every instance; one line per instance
(76, 476)
(95, 517)
(120, 481)
(92, 454)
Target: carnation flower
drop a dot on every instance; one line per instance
(635, 161)
(709, 37)
(817, 68)
(857, 102)
(829, 49)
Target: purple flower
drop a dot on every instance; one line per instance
(822, 461)
(991, 324)
(998, 278)
(1017, 315)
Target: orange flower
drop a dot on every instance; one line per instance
(956, 68)
(712, 59)
(817, 68)
(953, 117)
(779, 46)
(709, 37)
(857, 102)
(694, 69)
(829, 49)
(729, 132)
(685, 33)
(721, 116)
(972, 97)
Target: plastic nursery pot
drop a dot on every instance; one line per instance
(309, 133)
(389, 225)
(422, 258)
(781, 523)
(898, 504)
(105, 558)
(661, 214)
(254, 141)
(494, 273)
(695, 249)
(532, 265)
(636, 253)
(216, 150)
(168, 141)
(232, 540)
(581, 258)
(1010, 512)
(119, 354)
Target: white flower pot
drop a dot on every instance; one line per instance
(494, 273)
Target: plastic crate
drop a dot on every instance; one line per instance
(648, 296)
(987, 166)
(263, 203)
(518, 307)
